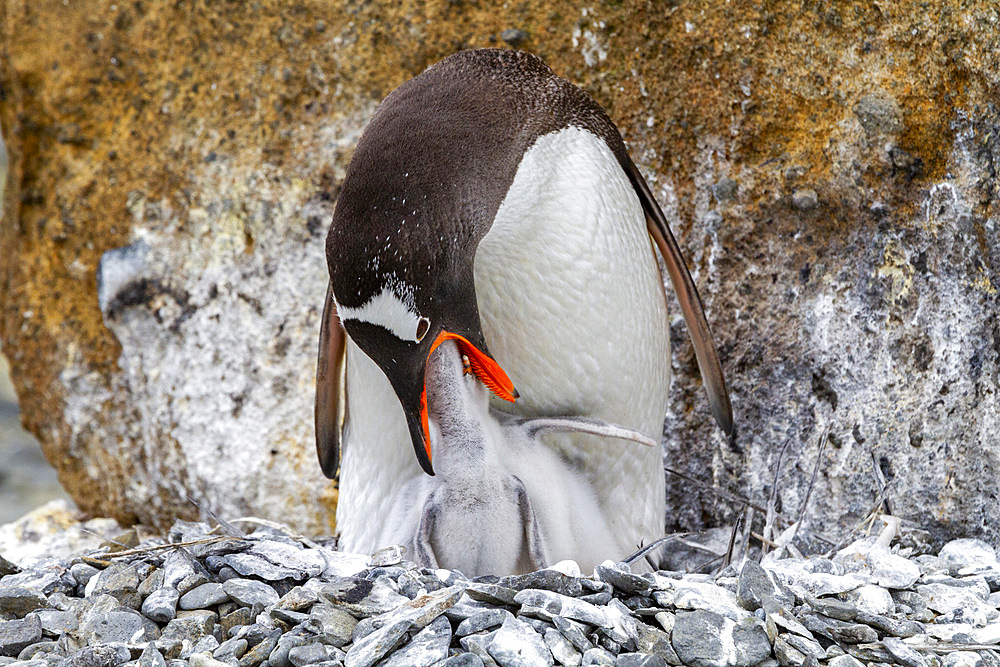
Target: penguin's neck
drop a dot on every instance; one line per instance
(463, 433)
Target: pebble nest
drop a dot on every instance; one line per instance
(208, 600)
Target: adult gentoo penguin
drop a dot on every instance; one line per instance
(493, 203)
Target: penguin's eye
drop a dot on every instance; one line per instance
(422, 327)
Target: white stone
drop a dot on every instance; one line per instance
(967, 551)
(873, 599)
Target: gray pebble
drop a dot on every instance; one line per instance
(193, 625)
(427, 647)
(553, 604)
(202, 597)
(19, 601)
(151, 657)
(376, 645)
(624, 580)
(878, 115)
(152, 582)
(599, 657)
(279, 656)
(83, 572)
(336, 625)
(248, 592)
(561, 648)
(705, 638)
(574, 632)
(125, 626)
(55, 623)
(308, 654)
(234, 647)
(161, 605)
(854, 634)
(903, 654)
(488, 618)
(516, 644)
(725, 190)
(16, 635)
(99, 655)
(260, 651)
(6, 567)
(463, 660)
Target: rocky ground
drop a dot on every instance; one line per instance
(209, 597)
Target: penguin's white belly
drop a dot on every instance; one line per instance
(377, 504)
(572, 308)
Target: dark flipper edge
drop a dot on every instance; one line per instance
(690, 302)
(330, 395)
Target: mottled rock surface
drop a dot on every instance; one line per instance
(830, 170)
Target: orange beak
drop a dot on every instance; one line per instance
(481, 365)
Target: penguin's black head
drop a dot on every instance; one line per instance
(401, 288)
(399, 325)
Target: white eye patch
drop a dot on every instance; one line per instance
(390, 312)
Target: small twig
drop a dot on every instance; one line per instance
(948, 647)
(732, 541)
(772, 500)
(705, 566)
(812, 482)
(646, 549)
(227, 527)
(103, 537)
(882, 484)
(764, 540)
(747, 529)
(160, 547)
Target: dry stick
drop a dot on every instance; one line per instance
(736, 498)
(880, 480)
(732, 541)
(747, 530)
(764, 540)
(773, 498)
(160, 547)
(704, 566)
(226, 527)
(812, 482)
(874, 510)
(657, 543)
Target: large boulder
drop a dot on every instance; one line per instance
(830, 171)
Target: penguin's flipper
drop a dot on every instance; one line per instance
(534, 427)
(532, 535)
(423, 549)
(330, 392)
(690, 302)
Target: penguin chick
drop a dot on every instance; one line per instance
(502, 501)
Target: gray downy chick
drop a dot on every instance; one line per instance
(502, 502)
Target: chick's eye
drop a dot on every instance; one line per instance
(422, 326)
(466, 365)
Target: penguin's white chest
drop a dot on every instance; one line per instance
(571, 303)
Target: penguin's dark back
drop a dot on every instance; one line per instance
(437, 160)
